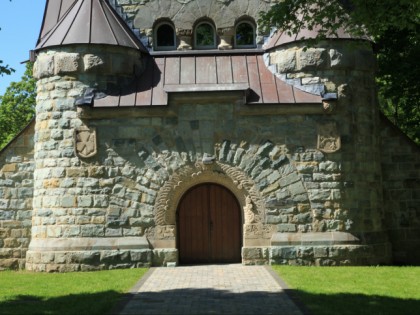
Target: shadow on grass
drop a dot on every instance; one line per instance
(211, 301)
(355, 304)
(95, 303)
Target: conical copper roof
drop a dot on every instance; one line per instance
(68, 22)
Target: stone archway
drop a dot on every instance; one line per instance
(244, 190)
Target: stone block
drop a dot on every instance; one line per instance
(47, 257)
(312, 58)
(114, 256)
(305, 252)
(92, 231)
(162, 256)
(94, 63)
(9, 264)
(319, 194)
(113, 232)
(289, 179)
(84, 257)
(274, 219)
(66, 63)
(286, 228)
(4, 204)
(285, 61)
(341, 59)
(71, 231)
(320, 252)
(144, 256)
(68, 201)
(54, 231)
(254, 254)
(283, 252)
(44, 66)
(84, 201)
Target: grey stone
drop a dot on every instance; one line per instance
(162, 256)
(312, 58)
(289, 179)
(286, 61)
(66, 63)
(286, 228)
(277, 253)
(44, 66)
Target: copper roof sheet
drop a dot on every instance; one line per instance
(197, 73)
(69, 22)
(54, 11)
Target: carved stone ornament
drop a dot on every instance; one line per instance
(329, 140)
(165, 232)
(191, 175)
(85, 142)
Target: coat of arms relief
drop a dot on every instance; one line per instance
(85, 142)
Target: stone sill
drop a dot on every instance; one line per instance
(89, 243)
(321, 238)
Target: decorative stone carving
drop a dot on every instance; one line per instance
(85, 142)
(165, 232)
(329, 140)
(226, 36)
(188, 176)
(250, 216)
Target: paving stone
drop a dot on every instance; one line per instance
(210, 289)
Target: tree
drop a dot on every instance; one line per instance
(17, 106)
(394, 27)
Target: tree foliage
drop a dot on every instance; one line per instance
(17, 106)
(394, 27)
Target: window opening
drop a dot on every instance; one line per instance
(205, 36)
(165, 37)
(245, 35)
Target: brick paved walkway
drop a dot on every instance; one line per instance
(210, 289)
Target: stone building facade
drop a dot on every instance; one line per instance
(156, 149)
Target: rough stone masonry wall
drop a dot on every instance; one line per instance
(150, 161)
(16, 192)
(347, 68)
(401, 183)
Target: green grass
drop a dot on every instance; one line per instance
(355, 290)
(66, 293)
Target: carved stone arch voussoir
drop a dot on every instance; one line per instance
(232, 178)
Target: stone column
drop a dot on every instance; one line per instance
(69, 230)
(344, 189)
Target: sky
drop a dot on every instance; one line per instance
(20, 23)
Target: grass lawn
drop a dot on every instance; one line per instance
(67, 293)
(355, 290)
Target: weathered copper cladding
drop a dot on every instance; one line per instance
(69, 22)
(208, 73)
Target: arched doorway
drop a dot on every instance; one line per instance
(209, 226)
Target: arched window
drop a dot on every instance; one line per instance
(164, 36)
(205, 36)
(245, 35)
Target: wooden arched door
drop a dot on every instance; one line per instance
(209, 226)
